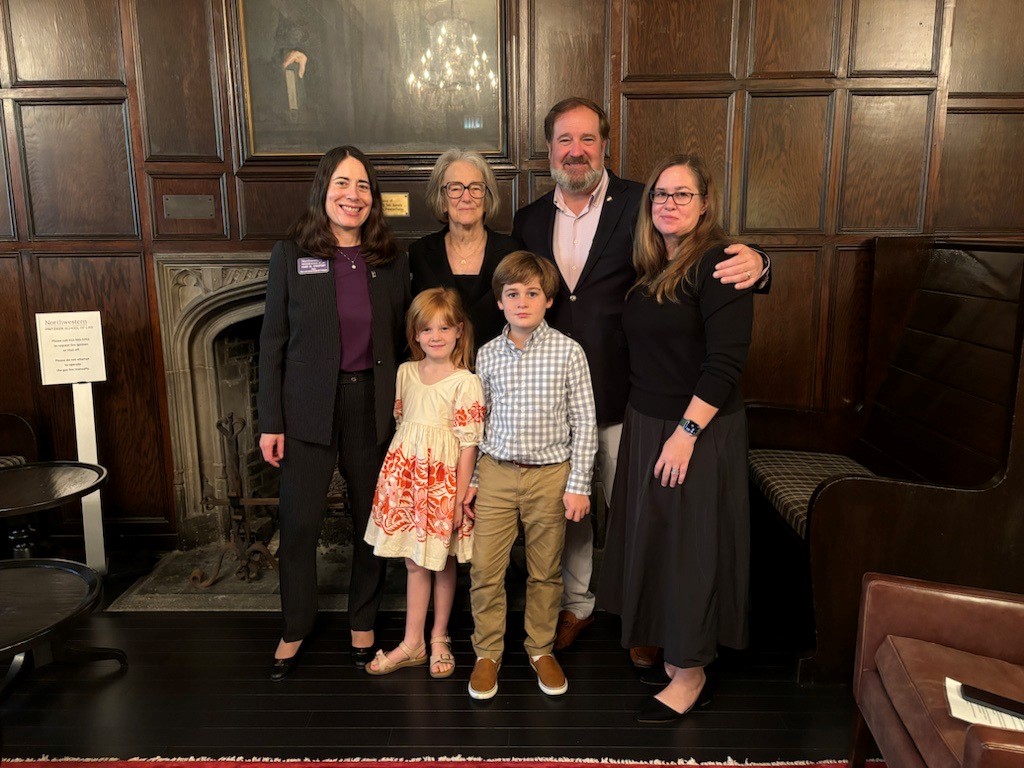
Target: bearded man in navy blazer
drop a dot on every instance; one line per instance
(585, 225)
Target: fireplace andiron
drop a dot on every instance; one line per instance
(251, 553)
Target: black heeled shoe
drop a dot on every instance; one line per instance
(361, 656)
(281, 668)
(653, 711)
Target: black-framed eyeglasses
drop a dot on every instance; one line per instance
(454, 189)
(679, 198)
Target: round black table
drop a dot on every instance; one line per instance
(40, 485)
(42, 598)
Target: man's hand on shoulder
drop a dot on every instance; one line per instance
(745, 268)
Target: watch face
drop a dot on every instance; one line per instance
(691, 427)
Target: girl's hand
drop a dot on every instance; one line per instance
(272, 448)
(457, 518)
(675, 458)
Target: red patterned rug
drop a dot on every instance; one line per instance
(452, 762)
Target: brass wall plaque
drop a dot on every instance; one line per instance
(189, 207)
(396, 204)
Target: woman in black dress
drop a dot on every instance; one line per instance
(676, 563)
(333, 335)
(462, 193)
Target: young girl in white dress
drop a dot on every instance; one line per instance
(417, 508)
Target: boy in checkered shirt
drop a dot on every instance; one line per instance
(535, 465)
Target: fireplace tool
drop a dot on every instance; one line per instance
(251, 553)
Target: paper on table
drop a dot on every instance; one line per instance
(970, 712)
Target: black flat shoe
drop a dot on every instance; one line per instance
(653, 711)
(361, 656)
(655, 676)
(281, 668)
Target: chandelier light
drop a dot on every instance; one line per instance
(454, 69)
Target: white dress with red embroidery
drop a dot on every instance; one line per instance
(414, 504)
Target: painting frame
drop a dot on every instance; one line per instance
(307, 112)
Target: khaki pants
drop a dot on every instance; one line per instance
(507, 494)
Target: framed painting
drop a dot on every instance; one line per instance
(391, 77)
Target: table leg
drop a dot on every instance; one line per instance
(17, 665)
(74, 651)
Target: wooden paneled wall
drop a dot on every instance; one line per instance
(828, 122)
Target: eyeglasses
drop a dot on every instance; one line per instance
(660, 197)
(454, 189)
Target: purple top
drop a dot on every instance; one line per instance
(352, 287)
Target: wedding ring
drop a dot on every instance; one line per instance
(674, 472)
(748, 275)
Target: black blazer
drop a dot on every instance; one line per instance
(300, 350)
(592, 314)
(428, 261)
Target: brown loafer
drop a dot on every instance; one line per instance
(644, 656)
(483, 682)
(550, 677)
(569, 628)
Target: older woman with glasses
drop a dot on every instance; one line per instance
(462, 193)
(676, 562)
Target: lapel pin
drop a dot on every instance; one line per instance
(608, 199)
(373, 273)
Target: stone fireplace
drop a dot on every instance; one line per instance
(210, 310)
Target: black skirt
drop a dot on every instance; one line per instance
(677, 560)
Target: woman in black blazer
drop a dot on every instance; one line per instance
(462, 192)
(332, 338)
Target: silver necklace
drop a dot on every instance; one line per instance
(350, 259)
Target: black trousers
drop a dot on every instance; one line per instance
(306, 472)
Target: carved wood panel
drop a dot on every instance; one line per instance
(987, 56)
(654, 128)
(19, 360)
(786, 162)
(849, 315)
(886, 162)
(564, 40)
(170, 223)
(792, 38)
(63, 41)
(78, 170)
(179, 100)
(783, 365)
(895, 37)
(680, 39)
(127, 404)
(981, 186)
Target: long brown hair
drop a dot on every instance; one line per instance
(312, 230)
(445, 302)
(658, 275)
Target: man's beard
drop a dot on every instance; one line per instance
(574, 183)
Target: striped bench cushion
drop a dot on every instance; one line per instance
(788, 478)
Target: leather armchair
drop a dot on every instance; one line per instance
(913, 634)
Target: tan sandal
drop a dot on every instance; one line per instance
(442, 658)
(414, 657)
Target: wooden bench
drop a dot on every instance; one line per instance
(926, 477)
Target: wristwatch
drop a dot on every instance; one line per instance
(691, 427)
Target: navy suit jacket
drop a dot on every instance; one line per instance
(592, 314)
(300, 349)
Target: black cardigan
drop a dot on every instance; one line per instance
(428, 261)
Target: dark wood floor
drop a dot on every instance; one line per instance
(197, 686)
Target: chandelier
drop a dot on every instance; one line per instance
(454, 69)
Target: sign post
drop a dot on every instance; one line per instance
(71, 352)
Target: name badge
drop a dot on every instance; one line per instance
(311, 266)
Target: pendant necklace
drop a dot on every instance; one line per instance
(350, 259)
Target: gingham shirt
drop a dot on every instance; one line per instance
(540, 404)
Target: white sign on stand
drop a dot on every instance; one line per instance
(71, 352)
